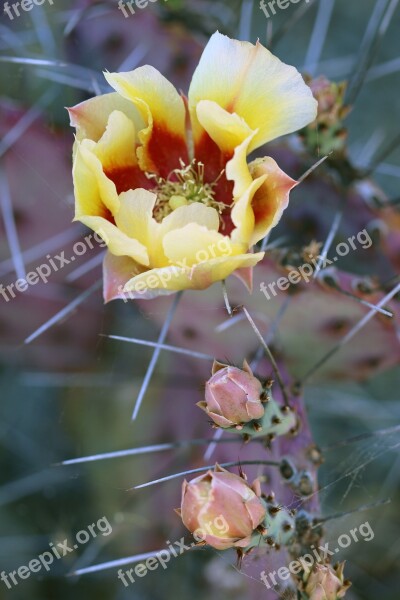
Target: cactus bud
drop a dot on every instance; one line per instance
(326, 583)
(236, 401)
(233, 396)
(330, 134)
(221, 509)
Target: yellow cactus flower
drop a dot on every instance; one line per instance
(164, 179)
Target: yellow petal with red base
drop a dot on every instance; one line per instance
(237, 169)
(90, 117)
(95, 194)
(243, 215)
(117, 146)
(250, 81)
(107, 167)
(163, 110)
(227, 130)
(261, 194)
(272, 198)
(117, 152)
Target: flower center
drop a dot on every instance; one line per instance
(182, 187)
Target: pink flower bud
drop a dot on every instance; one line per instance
(325, 92)
(221, 509)
(326, 583)
(232, 396)
(330, 97)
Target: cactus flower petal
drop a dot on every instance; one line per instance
(262, 205)
(163, 110)
(90, 118)
(198, 277)
(253, 83)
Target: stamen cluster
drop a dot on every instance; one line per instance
(184, 186)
